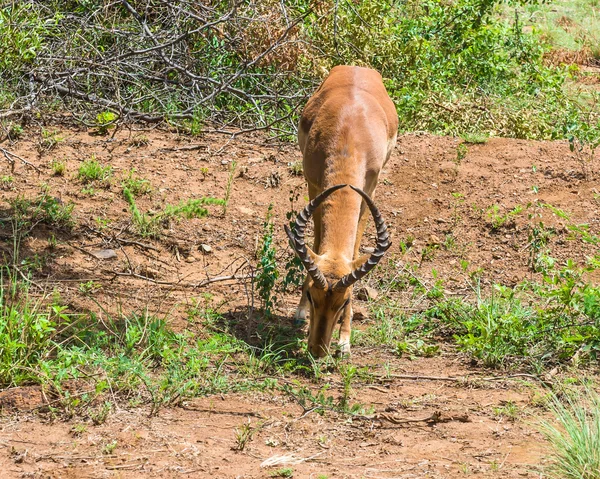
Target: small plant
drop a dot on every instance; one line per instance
(461, 152)
(267, 272)
(508, 410)
(58, 167)
(137, 186)
(78, 429)
(574, 436)
(139, 140)
(499, 220)
(204, 172)
(296, 168)
(49, 140)
(105, 121)
(6, 181)
(475, 138)
(229, 186)
(243, 435)
(92, 171)
(15, 131)
(283, 472)
(100, 416)
(110, 447)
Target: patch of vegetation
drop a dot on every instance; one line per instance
(92, 171)
(475, 138)
(150, 225)
(137, 186)
(58, 167)
(267, 272)
(49, 140)
(574, 436)
(468, 66)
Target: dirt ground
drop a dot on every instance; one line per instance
(431, 196)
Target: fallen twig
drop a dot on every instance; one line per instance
(10, 156)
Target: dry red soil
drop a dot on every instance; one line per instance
(427, 194)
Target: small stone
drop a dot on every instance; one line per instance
(206, 249)
(434, 240)
(369, 249)
(366, 293)
(105, 254)
(190, 259)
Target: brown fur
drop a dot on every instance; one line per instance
(346, 134)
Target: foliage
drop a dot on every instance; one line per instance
(105, 121)
(532, 325)
(266, 270)
(464, 66)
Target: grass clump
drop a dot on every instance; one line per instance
(92, 171)
(475, 138)
(58, 167)
(574, 436)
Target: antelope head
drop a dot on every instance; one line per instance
(330, 279)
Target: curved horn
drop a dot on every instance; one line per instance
(383, 243)
(297, 236)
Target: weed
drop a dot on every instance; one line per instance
(58, 167)
(109, 447)
(15, 131)
(461, 152)
(105, 121)
(267, 272)
(204, 172)
(147, 225)
(78, 429)
(498, 220)
(574, 436)
(92, 171)
(100, 415)
(283, 472)
(6, 181)
(508, 410)
(243, 435)
(139, 141)
(296, 168)
(49, 140)
(229, 186)
(137, 186)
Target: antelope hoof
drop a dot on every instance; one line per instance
(344, 349)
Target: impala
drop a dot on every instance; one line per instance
(346, 134)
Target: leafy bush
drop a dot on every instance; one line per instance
(450, 67)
